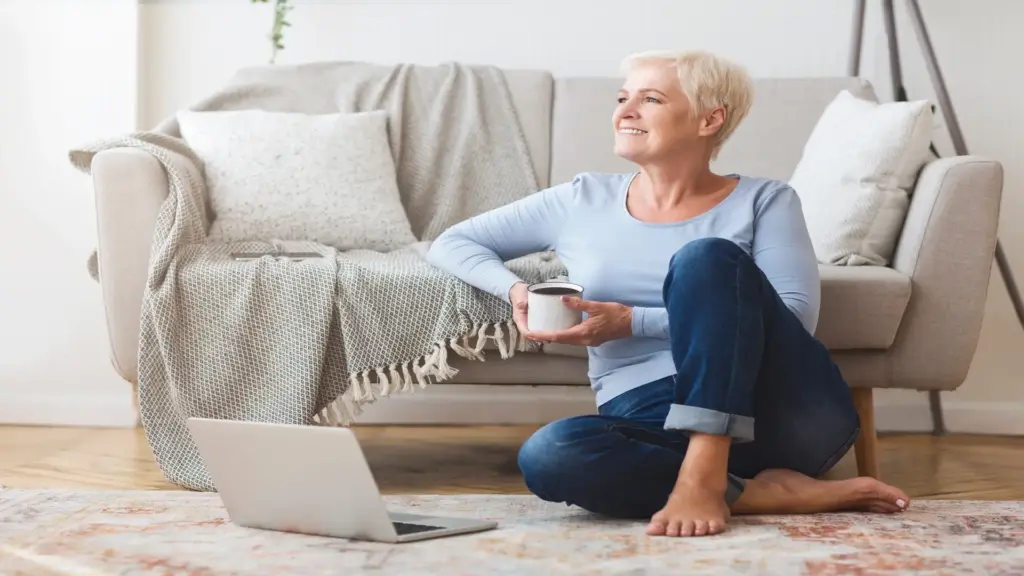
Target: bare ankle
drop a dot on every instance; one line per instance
(688, 485)
(705, 466)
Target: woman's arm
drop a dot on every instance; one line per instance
(783, 250)
(476, 249)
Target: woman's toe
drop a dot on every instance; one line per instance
(700, 528)
(674, 528)
(656, 528)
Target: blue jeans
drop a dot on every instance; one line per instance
(745, 367)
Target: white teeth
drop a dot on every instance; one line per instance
(631, 131)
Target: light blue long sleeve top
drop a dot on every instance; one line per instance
(618, 258)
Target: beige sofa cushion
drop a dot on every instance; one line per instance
(523, 368)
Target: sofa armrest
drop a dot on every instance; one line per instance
(130, 186)
(946, 247)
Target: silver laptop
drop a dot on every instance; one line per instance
(307, 480)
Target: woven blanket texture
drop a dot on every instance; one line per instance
(311, 342)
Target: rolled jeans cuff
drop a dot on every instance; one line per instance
(702, 420)
(734, 489)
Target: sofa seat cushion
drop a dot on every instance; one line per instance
(861, 306)
(523, 368)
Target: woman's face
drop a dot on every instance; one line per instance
(653, 120)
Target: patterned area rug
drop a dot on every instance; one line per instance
(151, 532)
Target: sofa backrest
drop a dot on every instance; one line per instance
(532, 94)
(567, 123)
(768, 143)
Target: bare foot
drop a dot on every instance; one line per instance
(789, 492)
(691, 510)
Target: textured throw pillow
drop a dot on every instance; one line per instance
(326, 178)
(856, 175)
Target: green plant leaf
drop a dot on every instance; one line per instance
(281, 8)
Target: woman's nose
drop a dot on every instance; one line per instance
(627, 110)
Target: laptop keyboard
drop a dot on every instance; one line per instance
(409, 528)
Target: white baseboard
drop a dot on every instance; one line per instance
(961, 417)
(506, 404)
(109, 411)
(987, 418)
(905, 417)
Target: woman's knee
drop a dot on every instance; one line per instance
(555, 451)
(705, 252)
(706, 268)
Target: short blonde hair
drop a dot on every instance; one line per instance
(709, 81)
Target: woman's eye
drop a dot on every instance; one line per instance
(652, 99)
(621, 99)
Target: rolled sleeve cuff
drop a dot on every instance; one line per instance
(638, 321)
(705, 421)
(650, 322)
(503, 285)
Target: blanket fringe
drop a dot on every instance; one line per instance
(369, 385)
(383, 382)
(406, 377)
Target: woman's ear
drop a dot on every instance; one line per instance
(713, 121)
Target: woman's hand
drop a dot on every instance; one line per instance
(518, 295)
(605, 321)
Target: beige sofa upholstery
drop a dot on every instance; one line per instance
(912, 325)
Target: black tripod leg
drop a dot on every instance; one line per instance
(899, 93)
(856, 39)
(938, 82)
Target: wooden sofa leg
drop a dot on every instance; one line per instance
(866, 447)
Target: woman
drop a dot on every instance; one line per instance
(702, 297)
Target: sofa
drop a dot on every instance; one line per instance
(912, 324)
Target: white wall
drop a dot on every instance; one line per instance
(69, 76)
(188, 47)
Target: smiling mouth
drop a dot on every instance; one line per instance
(634, 131)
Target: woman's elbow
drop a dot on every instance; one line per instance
(437, 250)
(442, 250)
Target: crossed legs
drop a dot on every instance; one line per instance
(755, 411)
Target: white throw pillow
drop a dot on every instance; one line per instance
(856, 176)
(326, 178)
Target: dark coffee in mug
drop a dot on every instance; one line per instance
(556, 291)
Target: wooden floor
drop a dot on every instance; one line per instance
(453, 459)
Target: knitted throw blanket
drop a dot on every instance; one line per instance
(311, 342)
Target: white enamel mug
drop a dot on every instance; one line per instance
(545, 311)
